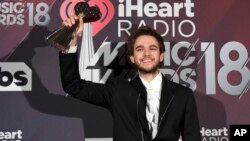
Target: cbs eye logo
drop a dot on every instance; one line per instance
(15, 77)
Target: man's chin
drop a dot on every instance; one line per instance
(148, 70)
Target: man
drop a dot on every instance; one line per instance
(148, 108)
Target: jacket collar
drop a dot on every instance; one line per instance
(166, 92)
(166, 97)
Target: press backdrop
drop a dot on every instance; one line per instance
(207, 49)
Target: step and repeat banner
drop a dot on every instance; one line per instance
(207, 49)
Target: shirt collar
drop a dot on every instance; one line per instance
(156, 83)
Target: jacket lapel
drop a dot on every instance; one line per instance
(166, 98)
(142, 104)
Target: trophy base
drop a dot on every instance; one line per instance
(62, 37)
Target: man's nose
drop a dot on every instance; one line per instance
(146, 52)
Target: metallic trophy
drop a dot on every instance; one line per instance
(62, 37)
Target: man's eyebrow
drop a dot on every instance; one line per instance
(139, 46)
(153, 45)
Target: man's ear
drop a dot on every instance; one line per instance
(161, 57)
(132, 59)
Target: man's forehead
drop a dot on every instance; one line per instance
(146, 40)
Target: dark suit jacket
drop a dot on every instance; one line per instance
(127, 103)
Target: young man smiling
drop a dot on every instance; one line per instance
(149, 107)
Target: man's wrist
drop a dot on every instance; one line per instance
(71, 49)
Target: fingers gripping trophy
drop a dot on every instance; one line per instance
(63, 37)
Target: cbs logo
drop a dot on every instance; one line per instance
(15, 77)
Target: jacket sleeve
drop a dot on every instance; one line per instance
(94, 93)
(191, 129)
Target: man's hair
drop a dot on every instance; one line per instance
(144, 30)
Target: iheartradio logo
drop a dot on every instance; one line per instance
(105, 6)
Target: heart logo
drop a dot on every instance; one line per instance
(105, 6)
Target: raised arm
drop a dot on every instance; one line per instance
(98, 94)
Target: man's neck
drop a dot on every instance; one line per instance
(148, 76)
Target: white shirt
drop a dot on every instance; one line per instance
(153, 89)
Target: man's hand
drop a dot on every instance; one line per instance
(72, 20)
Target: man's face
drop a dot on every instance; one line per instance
(146, 56)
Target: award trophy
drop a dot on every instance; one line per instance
(62, 37)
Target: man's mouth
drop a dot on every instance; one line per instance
(147, 60)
